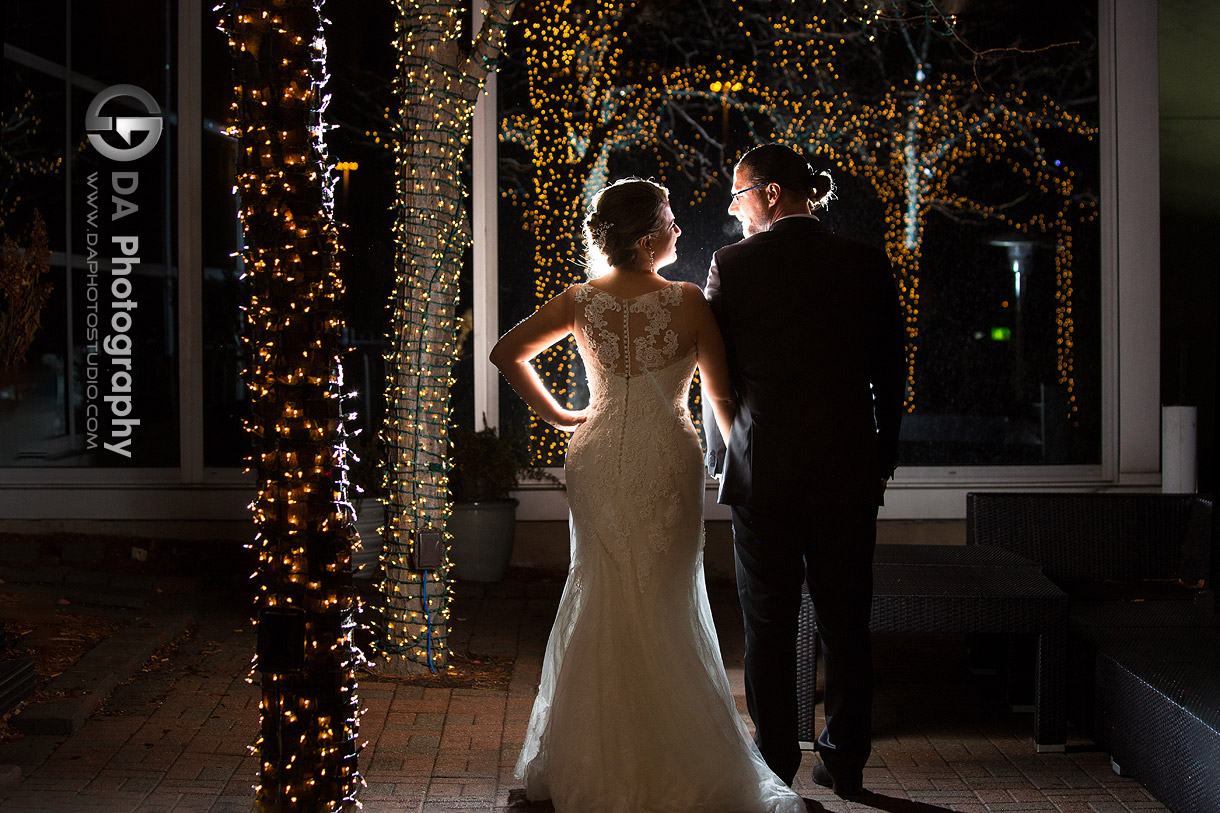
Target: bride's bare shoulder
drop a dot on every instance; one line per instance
(690, 289)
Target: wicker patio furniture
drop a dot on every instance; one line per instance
(977, 589)
(1145, 637)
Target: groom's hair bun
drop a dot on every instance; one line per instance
(622, 213)
(777, 163)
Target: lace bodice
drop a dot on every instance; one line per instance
(628, 336)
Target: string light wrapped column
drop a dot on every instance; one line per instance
(440, 77)
(307, 740)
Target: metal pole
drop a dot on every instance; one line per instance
(70, 335)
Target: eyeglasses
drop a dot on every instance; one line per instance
(735, 195)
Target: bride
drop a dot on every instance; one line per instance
(634, 711)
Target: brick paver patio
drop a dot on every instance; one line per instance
(175, 737)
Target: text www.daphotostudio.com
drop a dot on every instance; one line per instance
(113, 244)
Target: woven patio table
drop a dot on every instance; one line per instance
(962, 589)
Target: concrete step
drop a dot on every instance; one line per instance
(78, 691)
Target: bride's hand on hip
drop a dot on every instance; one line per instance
(566, 420)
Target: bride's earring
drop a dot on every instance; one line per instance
(652, 259)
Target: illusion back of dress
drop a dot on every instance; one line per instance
(634, 711)
(634, 467)
(632, 336)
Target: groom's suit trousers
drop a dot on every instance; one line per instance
(830, 548)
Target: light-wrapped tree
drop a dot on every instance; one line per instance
(307, 740)
(441, 73)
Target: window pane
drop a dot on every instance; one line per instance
(99, 384)
(985, 198)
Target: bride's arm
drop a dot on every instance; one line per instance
(713, 369)
(512, 354)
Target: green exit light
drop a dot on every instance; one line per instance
(1000, 334)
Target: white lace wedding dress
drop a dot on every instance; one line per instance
(634, 712)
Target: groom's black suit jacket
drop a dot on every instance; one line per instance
(814, 335)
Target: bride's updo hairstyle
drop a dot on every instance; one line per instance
(621, 214)
(775, 163)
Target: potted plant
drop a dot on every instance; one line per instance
(486, 468)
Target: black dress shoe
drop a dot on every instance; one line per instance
(841, 788)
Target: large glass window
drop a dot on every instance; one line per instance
(966, 146)
(89, 144)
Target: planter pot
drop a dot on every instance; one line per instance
(482, 539)
(370, 515)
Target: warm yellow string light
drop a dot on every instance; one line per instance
(307, 738)
(439, 79)
(587, 102)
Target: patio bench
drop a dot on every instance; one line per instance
(1145, 642)
(953, 588)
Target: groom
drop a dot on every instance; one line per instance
(814, 336)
